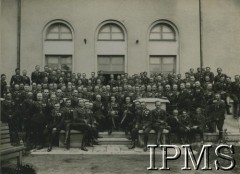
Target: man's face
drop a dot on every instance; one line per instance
(175, 113)
(39, 97)
(113, 99)
(57, 107)
(98, 97)
(219, 70)
(128, 100)
(143, 105)
(81, 103)
(46, 93)
(37, 68)
(158, 105)
(68, 103)
(217, 97)
(17, 71)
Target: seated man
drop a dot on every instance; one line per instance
(92, 123)
(145, 122)
(55, 124)
(68, 119)
(176, 126)
(198, 124)
(158, 120)
(80, 123)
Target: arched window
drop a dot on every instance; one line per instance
(58, 45)
(111, 32)
(111, 48)
(162, 31)
(58, 31)
(163, 47)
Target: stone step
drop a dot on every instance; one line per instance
(114, 141)
(230, 137)
(113, 135)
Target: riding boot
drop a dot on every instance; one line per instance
(145, 142)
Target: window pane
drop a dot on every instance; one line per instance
(52, 60)
(168, 60)
(168, 36)
(168, 67)
(104, 68)
(166, 29)
(52, 36)
(66, 60)
(104, 61)
(155, 36)
(117, 68)
(105, 28)
(104, 36)
(66, 36)
(118, 36)
(116, 29)
(155, 68)
(117, 61)
(156, 29)
(155, 60)
(54, 28)
(64, 28)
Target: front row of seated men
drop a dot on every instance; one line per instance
(50, 118)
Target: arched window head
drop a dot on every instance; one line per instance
(58, 31)
(162, 32)
(111, 32)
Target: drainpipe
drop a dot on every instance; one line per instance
(200, 34)
(18, 33)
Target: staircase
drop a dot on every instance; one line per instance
(116, 138)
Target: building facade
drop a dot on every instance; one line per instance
(118, 36)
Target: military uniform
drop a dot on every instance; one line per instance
(113, 110)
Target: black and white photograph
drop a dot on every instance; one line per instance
(120, 86)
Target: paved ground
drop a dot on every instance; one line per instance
(106, 164)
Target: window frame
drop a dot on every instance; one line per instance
(111, 25)
(111, 57)
(161, 57)
(59, 32)
(161, 32)
(58, 58)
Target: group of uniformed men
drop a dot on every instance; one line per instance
(53, 100)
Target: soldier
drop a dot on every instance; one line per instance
(158, 120)
(27, 112)
(17, 96)
(55, 123)
(184, 98)
(127, 117)
(197, 125)
(219, 75)
(209, 73)
(38, 121)
(137, 124)
(92, 123)
(16, 79)
(99, 112)
(68, 120)
(36, 75)
(112, 114)
(235, 95)
(3, 84)
(25, 78)
(176, 126)
(198, 96)
(146, 123)
(8, 116)
(80, 123)
(218, 114)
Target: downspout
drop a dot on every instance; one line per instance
(200, 34)
(18, 33)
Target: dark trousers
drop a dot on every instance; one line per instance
(219, 124)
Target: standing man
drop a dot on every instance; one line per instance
(17, 78)
(218, 114)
